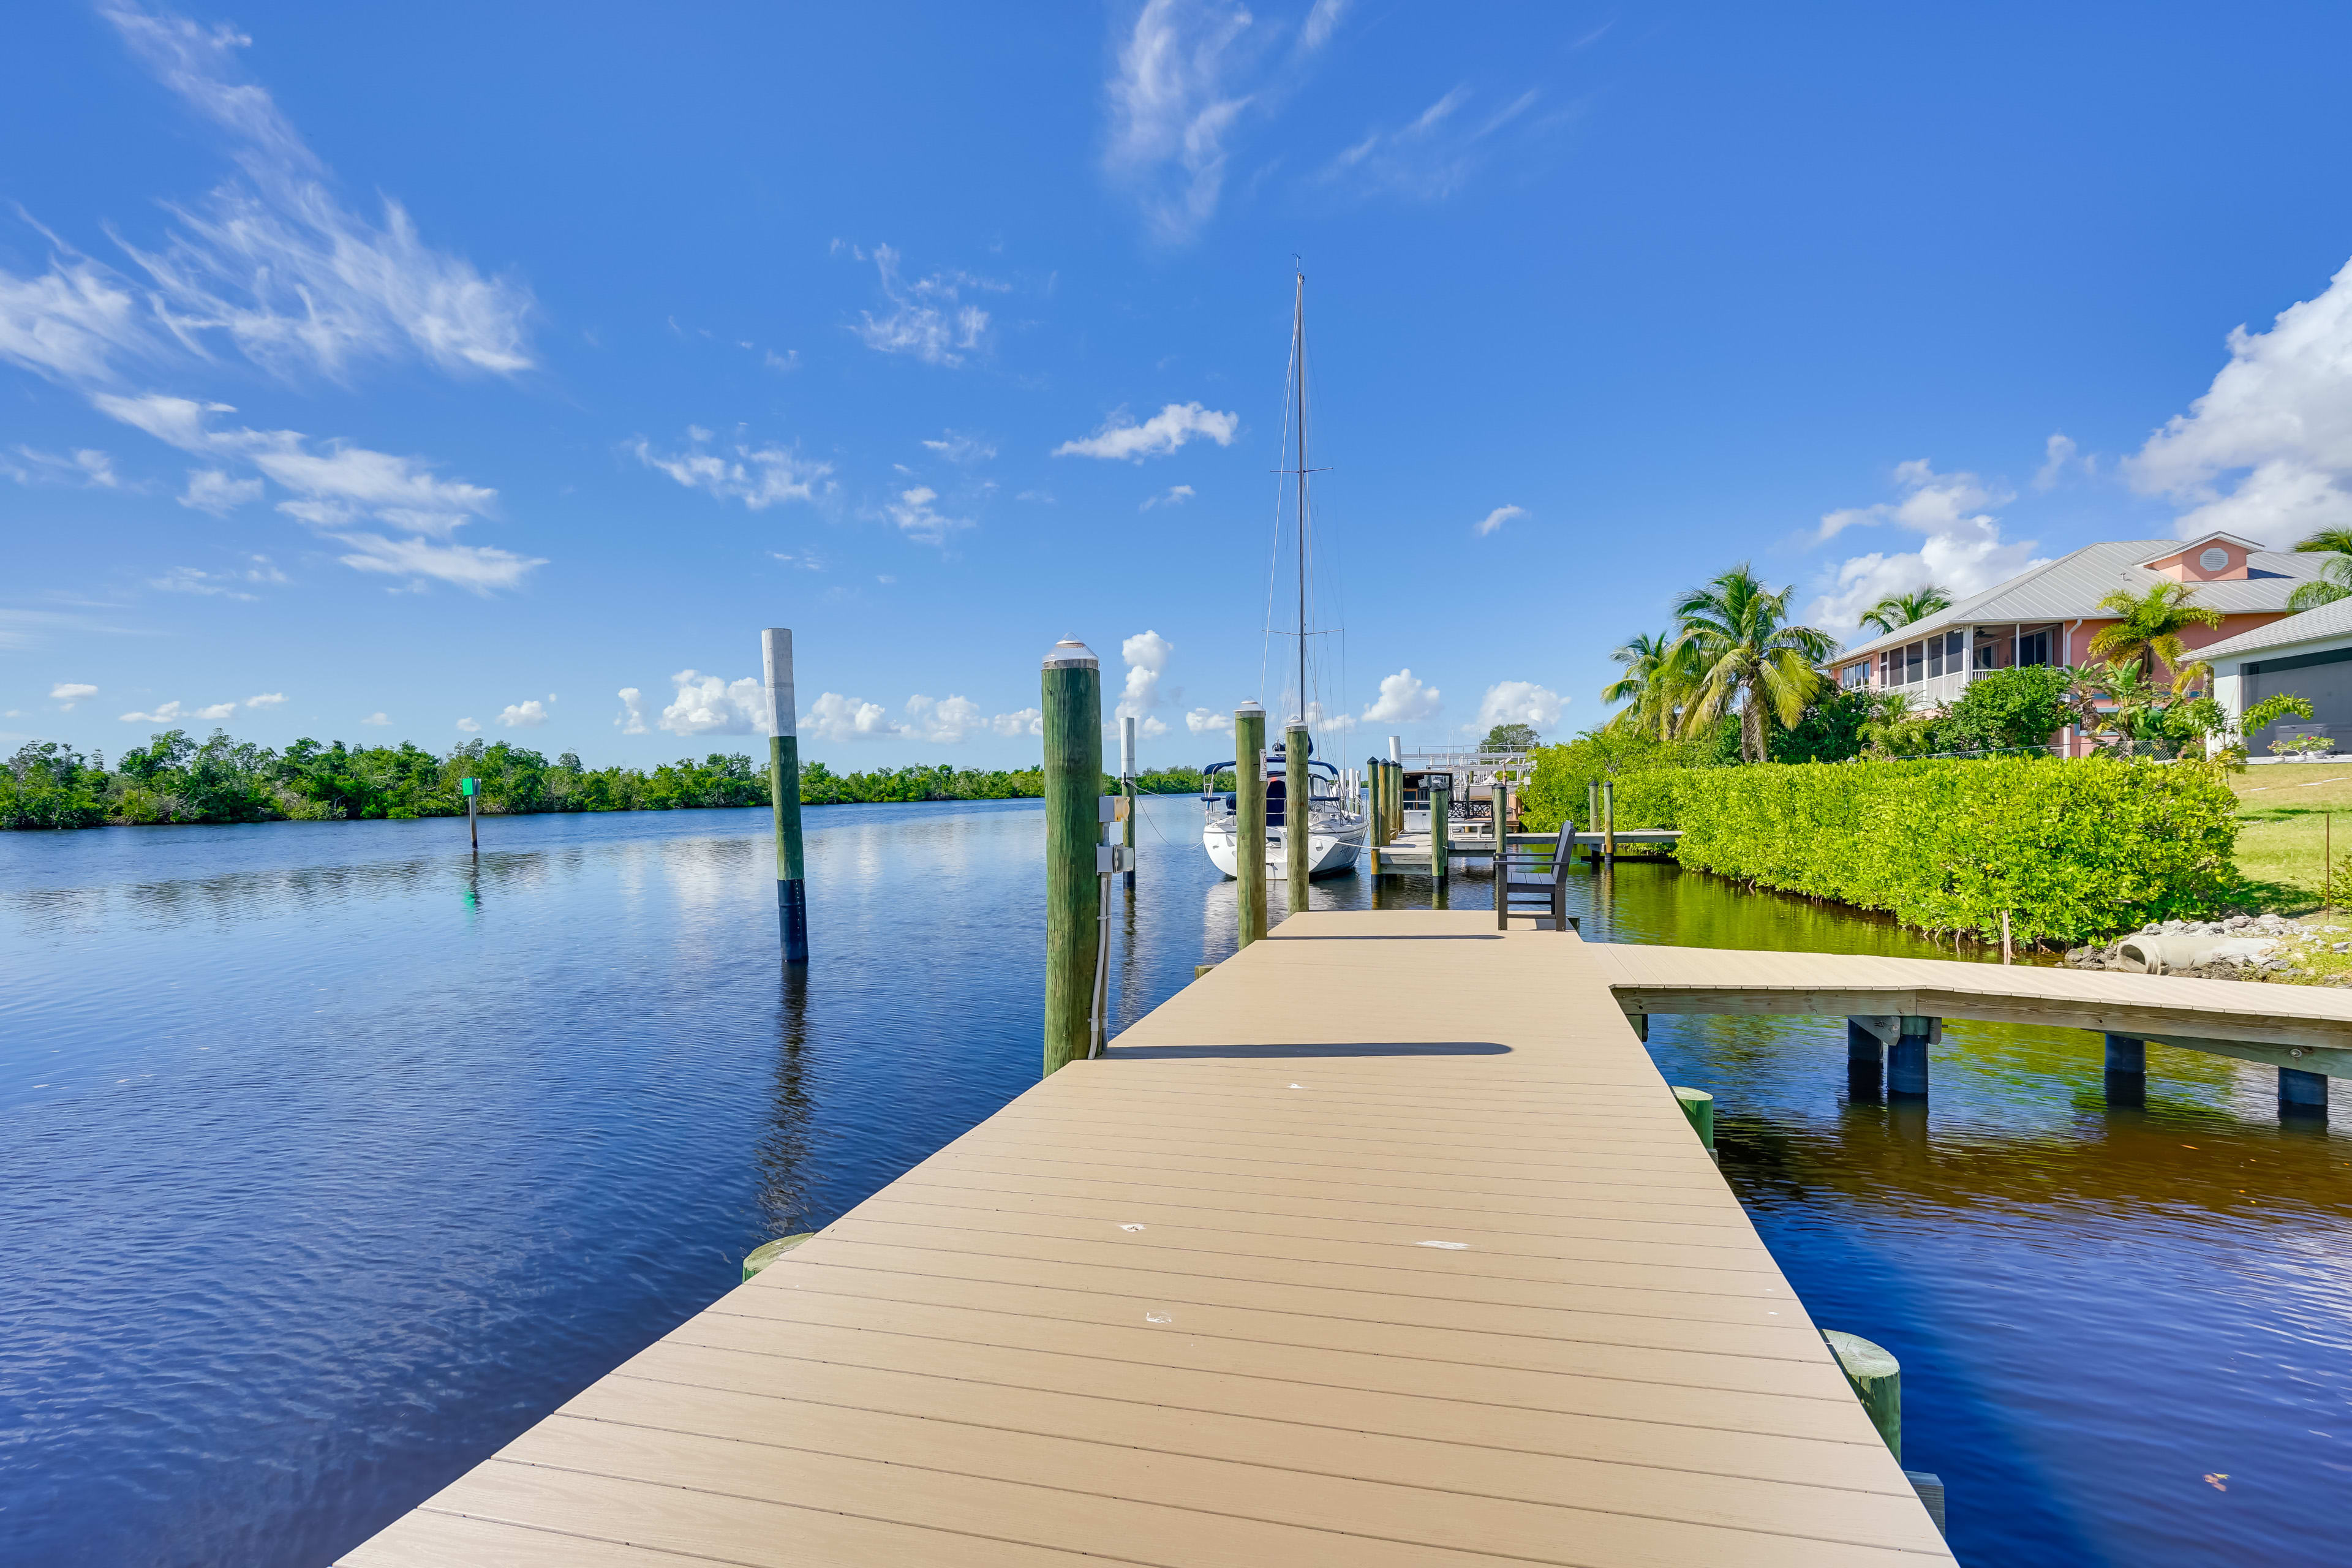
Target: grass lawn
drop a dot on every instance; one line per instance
(2285, 809)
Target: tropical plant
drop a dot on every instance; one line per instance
(1896, 729)
(1652, 687)
(1743, 655)
(2005, 709)
(1898, 610)
(2148, 628)
(1829, 730)
(2335, 579)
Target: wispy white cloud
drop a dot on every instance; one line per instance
(1518, 702)
(525, 715)
(212, 490)
(1121, 439)
(271, 261)
(1963, 552)
(470, 726)
(478, 569)
(929, 318)
(1174, 495)
(267, 699)
(1496, 518)
(66, 693)
(2267, 452)
(1321, 23)
(759, 477)
(1176, 100)
(1403, 699)
(377, 721)
(2058, 455)
(173, 712)
(1208, 720)
(1430, 156)
(917, 518)
(959, 448)
(85, 469)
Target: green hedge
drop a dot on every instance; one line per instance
(2071, 849)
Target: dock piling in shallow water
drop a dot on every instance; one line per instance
(1127, 788)
(784, 794)
(1440, 846)
(1249, 820)
(1072, 699)
(1298, 811)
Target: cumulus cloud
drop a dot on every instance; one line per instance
(919, 520)
(527, 715)
(2058, 455)
(1021, 722)
(267, 699)
(1430, 156)
(1496, 518)
(1208, 720)
(1963, 551)
(2267, 452)
(1121, 439)
(377, 719)
(212, 490)
(1146, 654)
(833, 717)
(1520, 702)
(470, 726)
(270, 262)
(1337, 724)
(66, 693)
(958, 447)
(946, 721)
(632, 717)
(1403, 699)
(708, 705)
(759, 477)
(929, 318)
(1174, 495)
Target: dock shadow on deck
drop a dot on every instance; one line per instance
(1294, 1275)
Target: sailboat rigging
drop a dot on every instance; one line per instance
(1334, 829)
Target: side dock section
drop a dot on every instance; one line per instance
(1381, 1244)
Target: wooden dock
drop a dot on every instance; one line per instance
(1412, 848)
(1381, 1244)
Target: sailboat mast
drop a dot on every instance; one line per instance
(1298, 354)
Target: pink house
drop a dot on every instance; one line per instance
(2049, 615)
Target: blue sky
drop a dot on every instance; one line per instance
(375, 373)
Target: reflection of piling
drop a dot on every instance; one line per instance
(1073, 703)
(784, 794)
(1440, 846)
(1297, 803)
(1249, 819)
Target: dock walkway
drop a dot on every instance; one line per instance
(1381, 1244)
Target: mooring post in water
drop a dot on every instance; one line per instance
(784, 793)
(1593, 819)
(1297, 802)
(1609, 820)
(1906, 1064)
(1698, 1109)
(1865, 1057)
(1441, 845)
(1072, 699)
(1127, 788)
(472, 789)
(1249, 819)
(1376, 809)
(1878, 1380)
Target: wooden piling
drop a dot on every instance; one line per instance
(1249, 819)
(1127, 788)
(784, 794)
(1376, 810)
(1298, 799)
(1699, 1106)
(1609, 820)
(1877, 1381)
(1440, 846)
(1072, 699)
(1593, 818)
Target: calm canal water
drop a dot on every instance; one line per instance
(334, 1159)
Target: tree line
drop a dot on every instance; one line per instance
(175, 778)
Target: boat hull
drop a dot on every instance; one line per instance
(1328, 853)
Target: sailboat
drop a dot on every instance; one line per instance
(1302, 794)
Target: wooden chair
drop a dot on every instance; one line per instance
(1519, 892)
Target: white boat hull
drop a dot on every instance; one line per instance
(1328, 852)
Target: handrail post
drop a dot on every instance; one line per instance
(1249, 819)
(1072, 699)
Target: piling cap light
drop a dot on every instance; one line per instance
(1070, 652)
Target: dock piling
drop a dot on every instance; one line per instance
(1441, 840)
(784, 794)
(1699, 1106)
(2127, 1070)
(1609, 820)
(1249, 819)
(1906, 1064)
(1878, 1380)
(2302, 1093)
(1376, 809)
(1072, 699)
(1127, 788)
(1297, 812)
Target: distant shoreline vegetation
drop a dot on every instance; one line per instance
(174, 779)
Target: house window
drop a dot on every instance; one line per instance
(1856, 674)
(2033, 648)
(1988, 655)
(1887, 675)
(1935, 658)
(1912, 657)
(1954, 649)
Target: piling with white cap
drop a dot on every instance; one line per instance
(1072, 686)
(1127, 788)
(1249, 819)
(784, 793)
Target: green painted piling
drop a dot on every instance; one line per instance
(1298, 800)
(1376, 808)
(1073, 703)
(1878, 1380)
(1699, 1106)
(1127, 788)
(1249, 819)
(1441, 842)
(785, 795)
(761, 1257)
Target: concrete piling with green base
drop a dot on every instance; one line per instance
(1072, 699)
(1698, 1109)
(1249, 819)
(784, 794)
(1298, 812)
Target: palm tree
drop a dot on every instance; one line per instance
(1901, 609)
(1650, 687)
(2335, 579)
(2148, 626)
(1742, 653)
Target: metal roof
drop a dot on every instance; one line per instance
(2071, 587)
(2312, 625)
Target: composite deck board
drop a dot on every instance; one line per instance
(1180, 1306)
